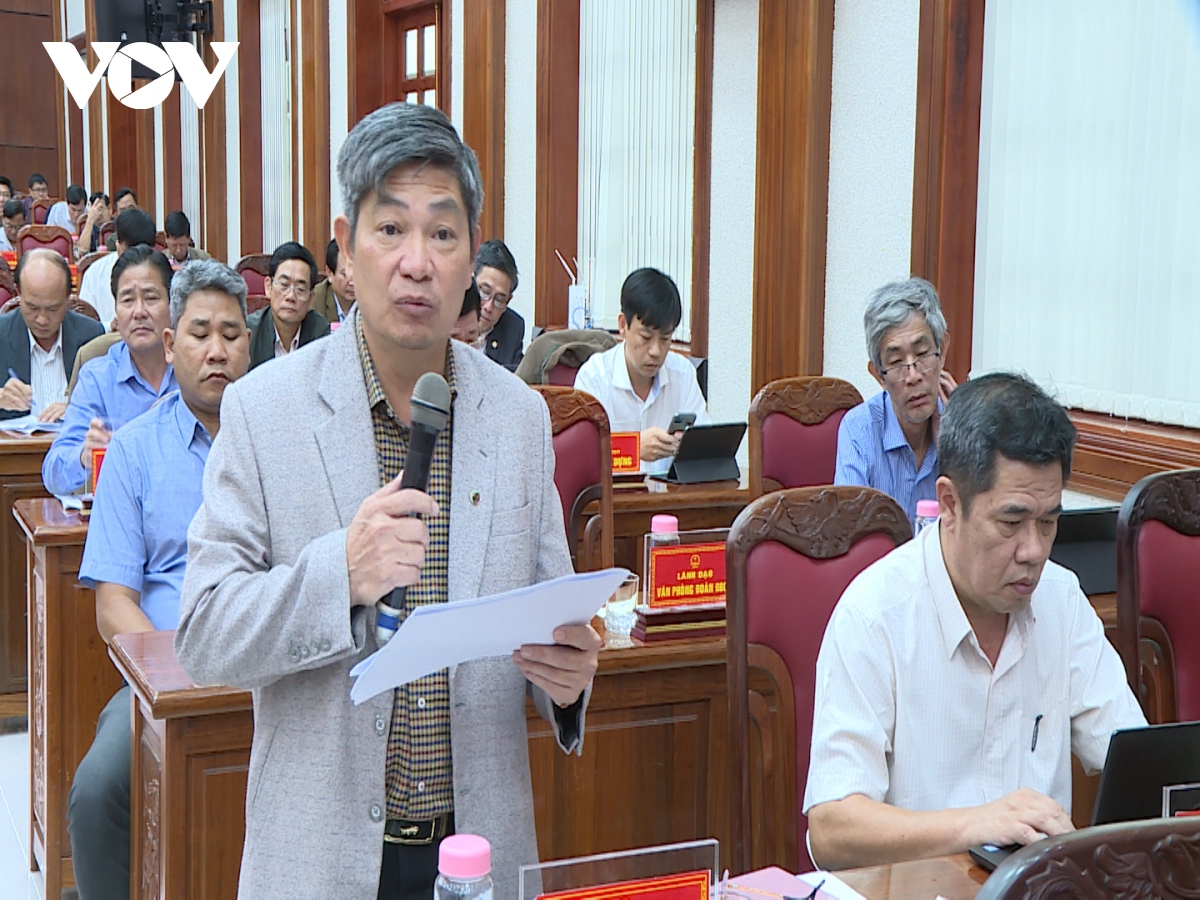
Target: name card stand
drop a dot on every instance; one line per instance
(684, 593)
(670, 872)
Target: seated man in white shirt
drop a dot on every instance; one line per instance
(959, 673)
(134, 227)
(67, 213)
(640, 383)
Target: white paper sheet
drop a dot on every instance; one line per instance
(833, 888)
(28, 425)
(446, 634)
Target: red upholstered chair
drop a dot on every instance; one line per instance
(582, 466)
(255, 302)
(793, 431)
(1158, 608)
(160, 241)
(561, 375)
(254, 269)
(8, 287)
(789, 557)
(39, 211)
(31, 237)
(1157, 858)
(86, 262)
(84, 308)
(107, 230)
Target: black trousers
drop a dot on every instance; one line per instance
(408, 871)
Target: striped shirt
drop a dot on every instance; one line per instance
(420, 781)
(47, 374)
(872, 451)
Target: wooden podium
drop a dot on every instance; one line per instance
(70, 676)
(191, 756)
(20, 477)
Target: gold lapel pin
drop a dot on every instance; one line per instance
(474, 498)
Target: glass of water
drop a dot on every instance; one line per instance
(619, 614)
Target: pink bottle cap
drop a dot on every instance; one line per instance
(464, 857)
(664, 524)
(927, 509)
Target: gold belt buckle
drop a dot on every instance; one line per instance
(413, 834)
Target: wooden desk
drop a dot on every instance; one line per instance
(696, 507)
(71, 678)
(956, 877)
(20, 477)
(190, 762)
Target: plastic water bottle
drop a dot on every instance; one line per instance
(464, 869)
(927, 514)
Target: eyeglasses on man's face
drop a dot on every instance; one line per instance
(299, 291)
(487, 294)
(923, 364)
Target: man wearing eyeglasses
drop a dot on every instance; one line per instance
(890, 441)
(289, 322)
(502, 329)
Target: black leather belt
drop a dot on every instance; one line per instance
(421, 833)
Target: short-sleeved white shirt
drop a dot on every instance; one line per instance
(910, 712)
(675, 390)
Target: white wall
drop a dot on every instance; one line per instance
(454, 12)
(731, 236)
(233, 143)
(520, 147)
(871, 151)
(339, 105)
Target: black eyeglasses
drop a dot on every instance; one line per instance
(923, 364)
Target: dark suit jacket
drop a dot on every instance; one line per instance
(77, 330)
(262, 333)
(505, 342)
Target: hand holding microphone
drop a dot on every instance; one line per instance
(385, 544)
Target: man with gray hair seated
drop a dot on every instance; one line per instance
(890, 441)
(959, 673)
(136, 548)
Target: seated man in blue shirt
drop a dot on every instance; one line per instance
(136, 551)
(890, 441)
(127, 380)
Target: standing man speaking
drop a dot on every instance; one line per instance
(283, 575)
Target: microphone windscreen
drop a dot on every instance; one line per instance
(431, 402)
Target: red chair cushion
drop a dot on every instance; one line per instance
(798, 455)
(255, 283)
(576, 464)
(5, 296)
(1168, 589)
(60, 245)
(39, 215)
(792, 622)
(563, 375)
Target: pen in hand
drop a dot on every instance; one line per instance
(12, 373)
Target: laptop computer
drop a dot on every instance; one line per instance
(1141, 762)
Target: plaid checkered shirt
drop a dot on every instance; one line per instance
(419, 770)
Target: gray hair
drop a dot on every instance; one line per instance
(402, 134)
(893, 304)
(205, 275)
(1001, 414)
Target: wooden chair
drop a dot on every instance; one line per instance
(1157, 858)
(790, 555)
(51, 237)
(8, 287)
(793, 431)
(85, 263)
(255, 302)
(10, 305)
(160, 241)
(107, 230)
(255, 268)
(39, 211)
(1158, 569)
(582, 467)
(84, 308)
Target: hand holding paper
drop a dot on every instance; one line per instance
(446, 634)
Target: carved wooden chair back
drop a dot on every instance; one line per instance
(793, 431)
(32, 237)
(1158, 570)
(1157, 858)
(254, 269)
(789, 557)
(582, 466)
(39, 211)
(8, 287)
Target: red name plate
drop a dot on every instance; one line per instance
(626, 452)
(690, 886)
(97, 461)
(687, 575)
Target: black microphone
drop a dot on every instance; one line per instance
(429, 410)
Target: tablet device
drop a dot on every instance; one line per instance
(1140, 763)
(706, 453)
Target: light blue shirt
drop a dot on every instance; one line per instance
(109, 387)
(873, 451)
(149, 490)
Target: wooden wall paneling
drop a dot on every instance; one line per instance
(123, 145)
(31, 111)
(314, 76)
(946, 166)
(483, 104)
(142, 139)
(1113, 454)
(702, 177)
(97, 176)
(60, 107)
(250, 159)
(214, 210)
(557, 222)
(366, 36)
(77, 175)
(173, 158)
(795, 71)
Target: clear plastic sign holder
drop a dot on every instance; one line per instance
(550, 878)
